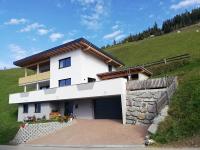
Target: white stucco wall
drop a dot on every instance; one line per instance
(142, 76)
(45, 110)
(83, 65)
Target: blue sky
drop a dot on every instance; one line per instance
(30, 26)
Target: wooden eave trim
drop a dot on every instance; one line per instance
(101, 54)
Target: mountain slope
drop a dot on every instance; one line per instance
(152, 49)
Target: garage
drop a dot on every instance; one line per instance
(108, 108)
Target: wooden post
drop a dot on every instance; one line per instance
(25, 71)
(165, 61)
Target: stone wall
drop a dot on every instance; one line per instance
(33, 131)
(142, 105)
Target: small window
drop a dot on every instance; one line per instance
(38, 108)
(65, 82)
(109, 68)
(63, 63)
(91, 80)
(25, 108)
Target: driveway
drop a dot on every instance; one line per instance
(95, 132)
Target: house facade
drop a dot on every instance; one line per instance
(74, 78)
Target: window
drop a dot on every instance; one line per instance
(91, 80)
(63, 63)
(109, 68)
(25, 108)
(37, 108)
(64, 82)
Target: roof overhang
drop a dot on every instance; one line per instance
(124, 73)
(80, 43)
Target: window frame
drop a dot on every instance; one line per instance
(37, 109)
(25, 108)
(65, 65)
(65, 82)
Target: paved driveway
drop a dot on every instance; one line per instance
(95, 132)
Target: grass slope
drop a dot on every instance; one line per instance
(184, 110)
(152, 49)
(8, 113)
(184, 119)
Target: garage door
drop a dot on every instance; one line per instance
(108, 108)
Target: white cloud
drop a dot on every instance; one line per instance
(115, 27)
(15, 21)
(31, 27)
(113, 35)
(17, 51)
(66, 41)
(185, 4)
(93, 12)
(151, 15)
(5, 65)
(119, 37)
(42, 31)
(55, 36)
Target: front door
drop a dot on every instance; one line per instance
(68, 108)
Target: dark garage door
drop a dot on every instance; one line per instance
(108, 108)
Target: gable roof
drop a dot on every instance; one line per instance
(80, 43)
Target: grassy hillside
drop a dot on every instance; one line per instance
(151, 49)
(8, 113)
(183, 121)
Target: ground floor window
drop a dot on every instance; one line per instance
(25, 108)
(37, 107)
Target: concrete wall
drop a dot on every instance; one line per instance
(45, 110)
(88, 90)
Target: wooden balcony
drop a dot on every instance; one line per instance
(34, 78)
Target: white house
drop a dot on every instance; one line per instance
(76, 77)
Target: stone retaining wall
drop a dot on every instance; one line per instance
(33, 131)
(142, 106)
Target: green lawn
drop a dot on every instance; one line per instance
(8, 113)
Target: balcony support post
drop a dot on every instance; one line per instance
(38, 68)
(25, 71)
(37, 86)
(25, 88)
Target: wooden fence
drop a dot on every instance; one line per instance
(167, 60)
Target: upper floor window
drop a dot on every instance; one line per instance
(25, 108)
(37, 107)
(66, 62)
(64, 82)
(109, 68)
